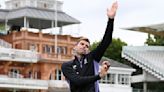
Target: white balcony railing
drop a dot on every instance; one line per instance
(9, 54)
(44, 4)
(14, 75)
(58, 84)
(5, 44)
(23, 83)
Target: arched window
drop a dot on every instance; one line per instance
(58, 74)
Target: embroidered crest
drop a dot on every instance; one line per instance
(85, 61)
(74, 67)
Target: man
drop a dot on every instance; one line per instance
(82, 72)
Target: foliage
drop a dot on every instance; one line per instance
(2, 27)
(114, 50)
(155, 40)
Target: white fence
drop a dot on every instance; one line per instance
(23, 83)
(9, 54)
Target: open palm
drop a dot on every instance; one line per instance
(111, 12)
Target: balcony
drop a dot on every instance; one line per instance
(55, 57)
(20, 83)
(44, 4)
(24, 83)
(5, 44)
(58, 86)
(7, 54)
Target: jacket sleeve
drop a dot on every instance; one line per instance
(107, 39)
(76, 79)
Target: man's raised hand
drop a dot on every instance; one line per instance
(111, 12)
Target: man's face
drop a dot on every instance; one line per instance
(82, 47)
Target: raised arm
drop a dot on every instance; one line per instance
(107, 39)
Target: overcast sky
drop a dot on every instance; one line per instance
(92, 14)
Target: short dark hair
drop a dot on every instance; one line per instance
(83, 38)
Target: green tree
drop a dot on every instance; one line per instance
(2, 27)
(155, 40)
(114, 50)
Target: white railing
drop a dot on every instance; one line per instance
(14, 75)
(45, 4)
(23, 83)
(5, 44)
(9, 54)
(58, 84)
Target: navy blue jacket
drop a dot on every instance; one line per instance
(83, 79)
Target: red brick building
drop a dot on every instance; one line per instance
(31, 61)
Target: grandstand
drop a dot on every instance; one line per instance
(149, 60)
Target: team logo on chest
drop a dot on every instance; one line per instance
(74, 67)
(85, 61)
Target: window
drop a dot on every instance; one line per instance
(108, 79)
(32, 47)
(40, 4)
(61, 50)
(64, 50)
(14, 73)
(58, 74)
(45, 5)
(16, 5)
(111, 78)
(123, 79)
(47, 49)
(30, 74)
